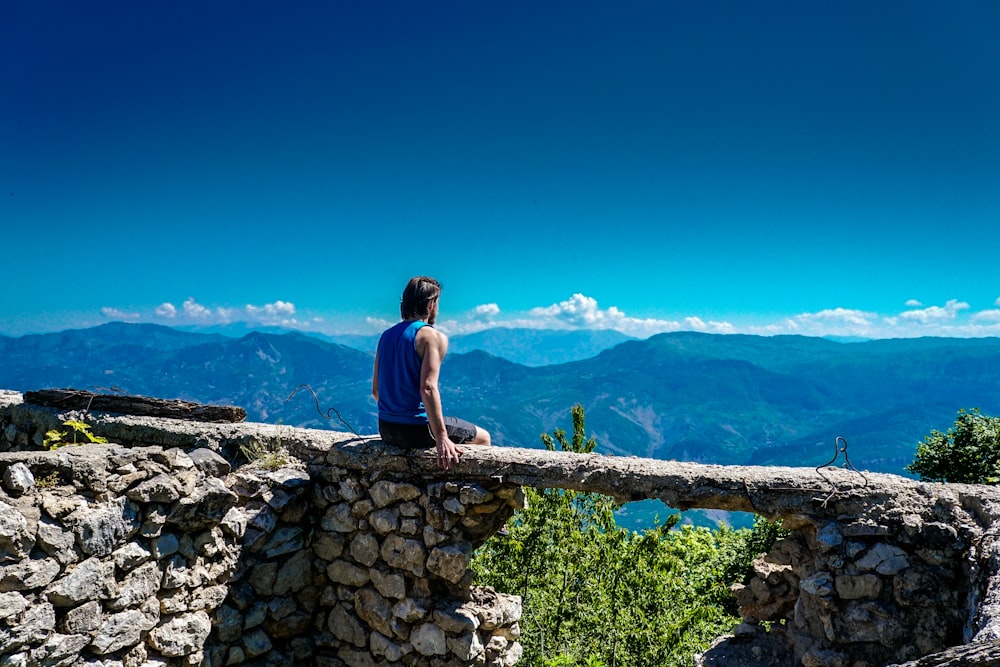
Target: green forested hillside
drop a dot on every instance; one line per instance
(689, 396)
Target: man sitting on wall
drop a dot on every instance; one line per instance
(405, 380)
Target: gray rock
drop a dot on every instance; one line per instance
(345, 626)
(450, 563)
(457, 620)
(35, 625)
(409, 610)
(474, 494)
(256, 643)
(338, 519)
(255, 616)
(383, 647)
(182, 634)
(884, 558)
(364, 549)
(11, 604)
(178, 458)
(130, 556)
(93, 579)
(56, 542)
(159, 489)
(262, 578)
(384, 492)
(428, 639)
(390, 585)
(374, 610)
(228, 624)
(404, 554)
(207, 598)
(59, 650)
(101, 530)
(205, 507)
(385, 521)
(119, 631)
(466, 647)
(857, 587)
(235, 522)
(85, 619)
(328, 546)
(346, 573)
(286, 540)
(210, 462)
(828, 537)
(167, 544)
(287, 477)
(18, 480)
(28, 574)
(293, 575)
(16, 539)
(141, 584)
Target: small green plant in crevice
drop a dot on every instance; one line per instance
(78, 434)
(265, 455)
(49, 481)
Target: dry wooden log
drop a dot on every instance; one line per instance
(144, 406)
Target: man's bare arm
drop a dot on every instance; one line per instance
(375, 378)
(432, 346)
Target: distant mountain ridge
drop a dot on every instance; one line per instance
(688, 396)
(530, 347)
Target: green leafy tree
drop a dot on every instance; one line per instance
(597, 595)
(969, 452)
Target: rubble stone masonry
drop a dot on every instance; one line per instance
(336, 550)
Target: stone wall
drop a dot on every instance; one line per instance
(155, 554)
(354, 553)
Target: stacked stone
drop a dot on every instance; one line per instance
(862, 593)
(110, 556)
(269, 615)
(396, 557)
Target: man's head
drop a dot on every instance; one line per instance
(420, 299)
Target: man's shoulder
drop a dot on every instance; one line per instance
(428, 332)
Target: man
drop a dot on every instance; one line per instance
(405, 380)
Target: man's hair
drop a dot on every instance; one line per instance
(417, 295)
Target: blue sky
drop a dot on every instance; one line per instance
(762, 167)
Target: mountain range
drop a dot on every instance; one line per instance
(713, 398)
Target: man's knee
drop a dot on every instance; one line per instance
(482, 437)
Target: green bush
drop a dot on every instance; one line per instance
(597, 595)
(968, 453)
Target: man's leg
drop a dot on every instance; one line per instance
(482, 437)
(465, 433)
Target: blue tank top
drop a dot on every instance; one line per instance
(399, 398)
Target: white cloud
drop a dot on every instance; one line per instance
(842, 316)
(486, 312)
(195, 310)
(278, 312)
(577, 312)
(377, 323)
(271, 310)
(954, 318)
(116, 314)
(167, 310)
(935, 313)
(991, 315)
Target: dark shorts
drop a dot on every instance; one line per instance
(418, 436)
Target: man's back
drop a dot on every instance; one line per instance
(399, 397)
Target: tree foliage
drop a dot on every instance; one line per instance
(597, 595)
(969, 452)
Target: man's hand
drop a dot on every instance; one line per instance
(447, 453)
